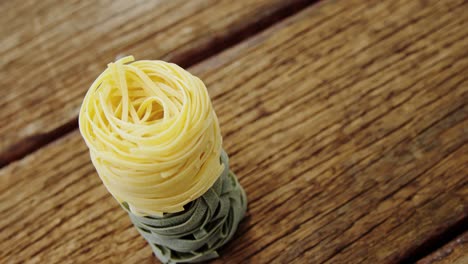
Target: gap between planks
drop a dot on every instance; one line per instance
(436, 242)
(454, 252)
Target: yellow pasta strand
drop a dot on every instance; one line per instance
(153, 135)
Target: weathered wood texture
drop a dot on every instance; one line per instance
(346, 124)
(454, 252)
(51, 51)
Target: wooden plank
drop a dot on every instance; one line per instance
(346, 125)
(51, 51)
(455, 252)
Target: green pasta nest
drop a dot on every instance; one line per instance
(205, 225)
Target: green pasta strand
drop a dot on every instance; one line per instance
(205, 225)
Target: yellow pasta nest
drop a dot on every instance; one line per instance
(153, 135)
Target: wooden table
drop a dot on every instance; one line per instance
(346, 122)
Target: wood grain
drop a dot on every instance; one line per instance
(346, 124)
(452, 253)
(51, 51)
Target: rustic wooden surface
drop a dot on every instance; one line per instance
(51, 51)
(452, 253)
(347, 124)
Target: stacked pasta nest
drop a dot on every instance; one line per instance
(155, 142)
